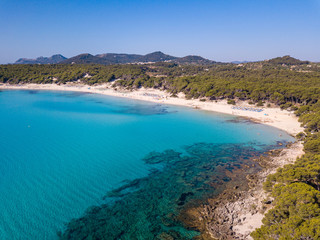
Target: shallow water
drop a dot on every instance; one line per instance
(63, 152)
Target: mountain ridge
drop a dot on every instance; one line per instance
(56, 58)
(116, 58)
(158, 56)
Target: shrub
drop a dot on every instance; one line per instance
(231, 101)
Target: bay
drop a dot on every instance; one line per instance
(63, 152)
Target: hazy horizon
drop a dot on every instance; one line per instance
(217, 30)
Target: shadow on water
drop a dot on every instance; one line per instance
(72, 94)
(145, 110)
(32, 92)
(149, 207)
(104, 108)
(242, 120)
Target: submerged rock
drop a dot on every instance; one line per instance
(154, 207)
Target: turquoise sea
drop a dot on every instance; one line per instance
(122, 169)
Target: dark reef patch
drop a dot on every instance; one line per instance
(72, 94)
(156, 109)
(32, 92)
(151, 207)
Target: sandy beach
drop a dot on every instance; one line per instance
(275, 117)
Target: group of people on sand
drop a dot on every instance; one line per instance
(247, 109)
(156, 96)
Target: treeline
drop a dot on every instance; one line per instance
(295, 187)
(63, 73)
(280, 85)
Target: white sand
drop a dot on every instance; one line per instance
(275, 117)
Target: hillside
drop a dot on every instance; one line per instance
(42, 60)
(84, 58)
(194, 60)
(123, 58)
(116, 58)
(119, 58)
(156, 57)
(287, 60)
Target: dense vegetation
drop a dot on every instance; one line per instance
(61, 74)
(287, 82)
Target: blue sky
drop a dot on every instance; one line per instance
(221, 30)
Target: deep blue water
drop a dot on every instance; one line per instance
(62, 152)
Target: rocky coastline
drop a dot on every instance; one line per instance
(237, 211)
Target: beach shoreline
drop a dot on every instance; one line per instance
(275, 117)
(235, 213)
(240, 219)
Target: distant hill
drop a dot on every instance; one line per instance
(116, 58)
(123, 58)
(113, 58)
(287, 60)
(156, 57)
(119, 58)
(42, 60)
(84, 58)
(195, 60)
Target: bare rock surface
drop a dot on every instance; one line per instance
(235, 213)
